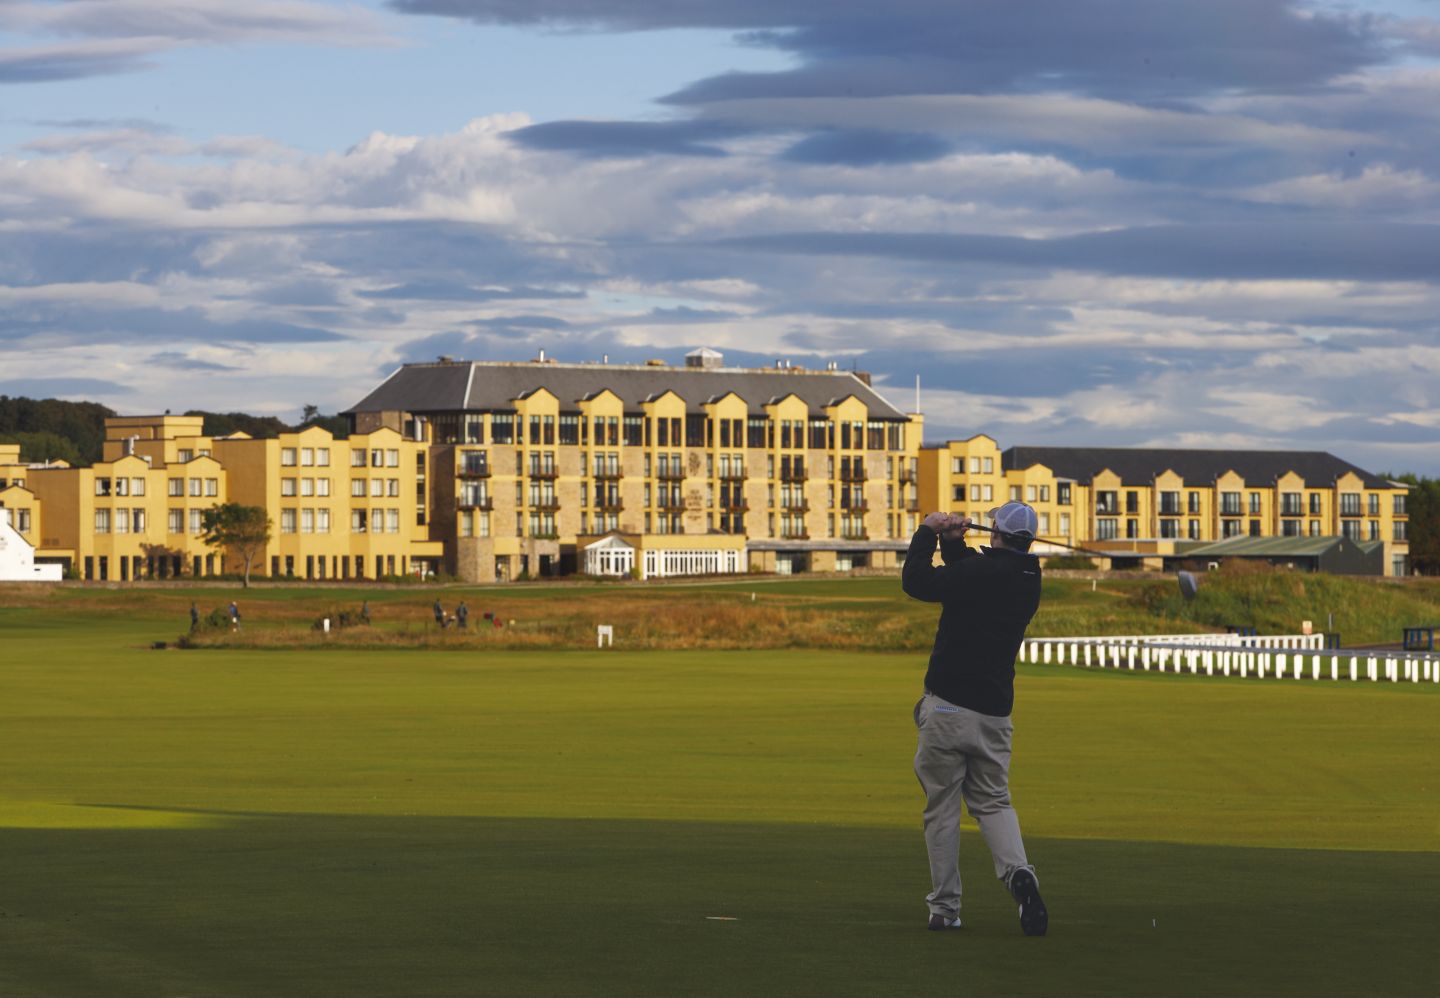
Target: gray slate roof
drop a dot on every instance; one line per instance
(477, 386)
(1139, 466)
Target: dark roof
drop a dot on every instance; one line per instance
(477, 386)
(1138, 466)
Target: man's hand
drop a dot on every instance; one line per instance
(949, 525)
(939, 522)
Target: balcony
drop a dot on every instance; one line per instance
(1103, 508)
(852, 474)
(735, 506)
(473, 469)
(795, 505)
(475, 502)
(669, 505)
(608, 473)
(541, 473)
(854, 505)
(907, 476)
(792, 472)
(794, 535)
(733, 475)
(912, 505)
(669, 474)
(609, 505)
(855, 535)
(549, 504)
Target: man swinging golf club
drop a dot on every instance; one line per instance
(987, 598)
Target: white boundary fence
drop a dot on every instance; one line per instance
(1285, 656)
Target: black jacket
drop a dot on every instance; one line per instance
(988, 597)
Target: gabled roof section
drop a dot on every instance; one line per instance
(1140, 466)
(449, 386)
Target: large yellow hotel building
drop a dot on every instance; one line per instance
(497, 471)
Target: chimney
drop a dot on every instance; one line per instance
(864, 376)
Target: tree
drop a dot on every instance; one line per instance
(243, 529)
(1422, 506)
(309, 414)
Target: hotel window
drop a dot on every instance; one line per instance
(1132, 502)
(989, 464)
(1194, 500)
(1194, 530)
(1064, 524)
(1292, 504)
(1044, 523)
(287, 457)
(377, 457)
(1398, 503)
(322, 486)
(357, 458)
(185, 455)
(392, 458)
(137, 521)
(1030, 493)
(322, 524)
(1229, 504)
(1314, 504)
(175, 487)
(1254, 503)
(102, 486)
(392, 486)
(322, 457)
(287, 521)
(357, 521)
(392, 521)
(484, 524)
(974, 493)
(1107, 502)
(1401, 527)
(1374, 530)
(1314, 528)
(974, 466)
(287, 486)
(1230, 528)
(1044, 493)
(988, 491)
(377, 487)
(197, 521)
(467, 523)
(1169, 528)
(307, 457)
(1169, 504)
(122, 486)
(196, 487)
(1290, 528)
(212, 486)
(1349, 504)
(175, 521)
(137, 488)
(357, 487)
(959, 493)
(1351, 529)
(1372, 502)
(102, 521)
(570, 429)
(307, 486)
(1106, 529)
(307, 521)
(1062, 493)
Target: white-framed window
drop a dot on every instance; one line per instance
(197, 487)
(102, 521)
(197, 524)
(974, 466)
(307, 521)
(357, 486)
(287, 486)
(307, 486)
(137, 486)
(175, 521)
(392, 521)
(185, 454)
(307, 457)
(122, 521)
(392, 458)
(287, 457)
(175, 487)
(322, 521)
(357, 458)
(377, 487)
(287, 521)
(989, 493)
(482, 528)
(212, 486)
(322, 457)
(322, 486)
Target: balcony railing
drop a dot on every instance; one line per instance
(670, 505)
(795, 505)
(542, 473)
(475, 502)
(732, 475)
(851, 474)
(550, 504)
(792, 473)
(669, 474)
(735, 506)
(907, 476)
(854, 505)
(474, 469)
(609, 504)
(795, 535)
(608, 473)
(855, 535)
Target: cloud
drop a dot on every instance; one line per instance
(52, 63)
(75, 388)
(974, 46)
(176, 361)
(865, 147)
(627, 139)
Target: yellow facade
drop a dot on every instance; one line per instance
(1161, 516)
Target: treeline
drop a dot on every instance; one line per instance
(55, 430)
(1423, 507)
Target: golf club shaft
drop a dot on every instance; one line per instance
(1040, 540)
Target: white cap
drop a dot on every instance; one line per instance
(1015, 518)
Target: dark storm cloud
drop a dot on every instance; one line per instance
(51, 65)
(1299, 250)
(76, 325)
(626, 139)
(860, 48)
(864, 147)
(41, 388)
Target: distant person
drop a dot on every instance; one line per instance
(194, 619)
(462, 615)
(234, 616)
(365, 612)
(439, 614)
(987, 599)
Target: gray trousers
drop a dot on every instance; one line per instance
(963, 754)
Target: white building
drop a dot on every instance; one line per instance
(17, 557)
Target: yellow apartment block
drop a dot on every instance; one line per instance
(1150, 508)
(531, 463)
(26, 513)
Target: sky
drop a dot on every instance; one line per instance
(1149, 223)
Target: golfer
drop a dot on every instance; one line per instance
(987, 598)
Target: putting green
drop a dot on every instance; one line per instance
(231, 823)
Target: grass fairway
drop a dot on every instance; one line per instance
(407, 823)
